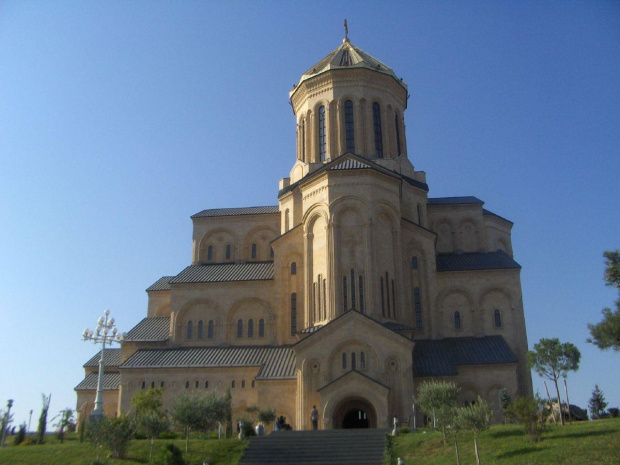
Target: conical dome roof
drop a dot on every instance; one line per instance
(349, 56)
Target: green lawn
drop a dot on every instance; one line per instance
(72, 452)
(591, 442)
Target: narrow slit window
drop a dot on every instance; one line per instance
(498, 318)
(376, 117)
(324, 298)
(210, 330)
(303, 140)
(393, 300)
(322, 134)
(261, 328)
(387, 293)
(190, 329)
(293, 313)
(361, 289)
(418, 308)
(318, 295)
(353, 361)
(414, 263)
(240, 328)
(293, 268)
(197, 385)
(232, 384)
(253, 250)
(344, 360)
(344, 293)
(200, 329)
(382, 298)
(457, 320)
(397, 126)
(362, 360)
(228, 252)
(206, 384)
(210, 253)
(186, 384)
(352, 288)
(250, 328)
(349, 126)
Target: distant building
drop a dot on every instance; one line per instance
(348, 293)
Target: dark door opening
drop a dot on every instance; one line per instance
(355, 418)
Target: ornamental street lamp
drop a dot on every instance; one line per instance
(106, 333)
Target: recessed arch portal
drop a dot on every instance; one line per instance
(354, 412)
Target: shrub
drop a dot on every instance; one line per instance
(403, 430)
(248, 427)
(21, 434)
(112, 433)
(168, 435)
(171, 455)
(532, 414)
(613, 412)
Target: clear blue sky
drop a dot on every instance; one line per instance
(119, 120)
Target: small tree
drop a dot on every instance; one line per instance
(552, 359)
(504, 403)
(438, 398)
(476, 418)
(597, 404)
(21, 434)
(152, 424)
(43, 418)
(531, 413)
(111, 433)
(200, 412)
(65, 421)
(147, 401)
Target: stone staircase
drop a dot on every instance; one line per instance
(326, 447)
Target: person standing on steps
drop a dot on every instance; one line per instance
(314, 418)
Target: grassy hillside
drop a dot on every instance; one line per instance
(224, 452)
(592, 442)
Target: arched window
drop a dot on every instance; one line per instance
(253, 384)
(253, 250)
(353, 362)
(261, 328)
(414, 263)
(344, 360)
(293, 313)
(271, 252)
(200, 329)
(232, 384)
(161, 384)
(250, 328)
(361, 289)
(152, 384)
(243, 384)
(143, 384)
(303, 140)
(397, 126)
(498, 318)
(457, 320)
(349, 126)
(322, 134)
(376, 117)
(352, 288)
(418, 308)
(186, 384)
(286, 220)
(197, 384)
(382, 297)
(190, 329)
(206, 384)
(345, 304)
(210, 330)
(210, 253)
(293, 268)
(362, 360)
(240, 328)
(228, 252)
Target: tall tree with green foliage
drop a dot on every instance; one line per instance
(551, 359)
(476, 418)
(113, 433)
(606, 334)
(147, 401)
(438, 399)
(65, 421)
(597, 404)
(200, 412)
(43, 418)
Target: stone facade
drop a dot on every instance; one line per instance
(351, 291)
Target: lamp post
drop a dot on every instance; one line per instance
(106, 333)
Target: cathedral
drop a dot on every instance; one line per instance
(347, 294)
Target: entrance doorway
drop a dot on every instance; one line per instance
(354, 413)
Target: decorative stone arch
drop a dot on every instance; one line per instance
(235, 313)
(444, 228)
(387, 209)
(318, 209)
(179, 322)
(469, 393)
(446, 320)
(249, 240)
(349, 202)
(334, 361)
(204, 243)
(502, 244)
(487, 311)
(469, 235)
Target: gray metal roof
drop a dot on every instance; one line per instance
(441, 357)
(162, 284)
(111, 380)
(476, 261)
(467, 200)
(310, 329)
(274, 362)
(238, 211)
(350, 164)
(487, 212)
(150, 329)
(225, 272)
(112, 358)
